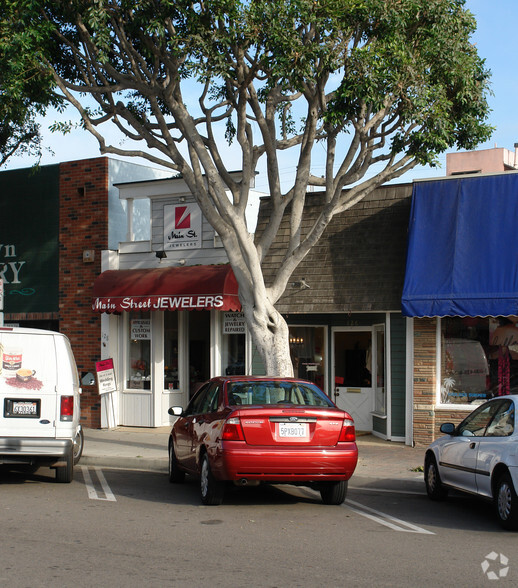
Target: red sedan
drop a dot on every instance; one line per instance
(248, 430)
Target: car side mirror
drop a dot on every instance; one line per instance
(175, 411)
(447, 428)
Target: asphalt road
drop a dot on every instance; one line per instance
(128, 528)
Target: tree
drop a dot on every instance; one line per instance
(25, 91)
(385, 83)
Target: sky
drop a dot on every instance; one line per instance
(494, 38)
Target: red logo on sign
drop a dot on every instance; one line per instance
(182, 218)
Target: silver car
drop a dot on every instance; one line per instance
(479, 456)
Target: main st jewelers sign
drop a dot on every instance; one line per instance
(182, 226)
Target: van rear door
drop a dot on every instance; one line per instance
(28, 384)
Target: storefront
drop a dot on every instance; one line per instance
(461, 287)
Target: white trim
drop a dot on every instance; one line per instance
(388, 373)
(409, 374)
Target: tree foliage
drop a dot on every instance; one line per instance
(381, 84)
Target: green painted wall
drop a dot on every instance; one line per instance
(29, 234)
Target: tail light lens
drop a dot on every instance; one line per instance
(348, 433)
(67, 408)
(232, 430)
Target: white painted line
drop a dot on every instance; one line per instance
(90, 488)
(387, 490)
(385, 519)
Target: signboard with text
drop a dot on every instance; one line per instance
(105, 376)
(182, 226)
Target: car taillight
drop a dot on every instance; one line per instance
(232, 430)
(67, 408)
(348, 433)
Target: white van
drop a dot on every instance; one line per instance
(39, 396)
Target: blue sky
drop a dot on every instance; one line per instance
(495, 40)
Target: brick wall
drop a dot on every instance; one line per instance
(83, 223)
(424, 380)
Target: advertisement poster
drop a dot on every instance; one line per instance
(105, 376)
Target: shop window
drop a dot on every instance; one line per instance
(479, 358)
(233, 344)
(139, 351)
(171, 377)
(307, 353)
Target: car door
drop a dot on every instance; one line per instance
(203, 422)
(494, 446)
(184, 429)
(458, 455)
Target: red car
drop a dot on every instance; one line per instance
(249, 430)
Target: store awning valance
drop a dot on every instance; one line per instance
(463, 248)
(197, 287)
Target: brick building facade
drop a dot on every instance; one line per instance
(54, 223)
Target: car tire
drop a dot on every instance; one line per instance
(176, 475)
(65, 474)
(333, 492)
(211, 490)
(506, 503)
(79, 441)
(432, 479)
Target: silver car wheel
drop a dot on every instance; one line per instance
(504, 501)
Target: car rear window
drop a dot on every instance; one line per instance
(265, 392)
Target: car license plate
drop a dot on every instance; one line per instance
(21, 408)
(292, 430)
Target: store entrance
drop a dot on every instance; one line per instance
(353, 378)
(199, 349)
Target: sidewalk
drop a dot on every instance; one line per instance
(146, 449)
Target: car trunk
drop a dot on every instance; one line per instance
(270, 425)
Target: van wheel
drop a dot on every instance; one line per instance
(65, 474)
(79, 441)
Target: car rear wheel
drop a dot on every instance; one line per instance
(506, 503)
(211, 490)
(333, 492)
(176, 475)
(432, 479)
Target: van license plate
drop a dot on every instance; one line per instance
(21, 408)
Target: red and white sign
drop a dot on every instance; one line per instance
(105, 376)
(182, 226)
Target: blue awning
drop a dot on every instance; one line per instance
(462, 255)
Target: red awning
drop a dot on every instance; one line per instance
(196, 287)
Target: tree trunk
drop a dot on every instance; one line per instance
(270, 335)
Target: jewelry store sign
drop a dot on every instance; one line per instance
(233, 323)
(182, 226)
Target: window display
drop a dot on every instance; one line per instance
(307, 353)
(479, 358)
(171, 378)
(139, 351)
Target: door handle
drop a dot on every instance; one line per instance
(472, 445)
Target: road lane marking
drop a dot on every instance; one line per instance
(385, 519)
(387, 490)
(90, 487)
